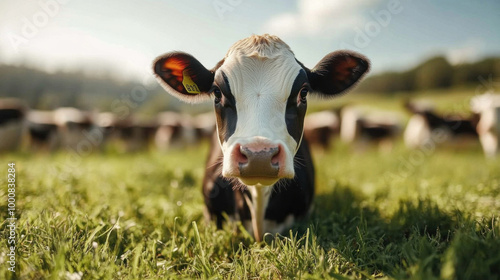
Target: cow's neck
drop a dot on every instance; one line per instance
(260, 197)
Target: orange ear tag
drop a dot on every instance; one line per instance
(188, 83)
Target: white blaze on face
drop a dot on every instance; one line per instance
(261, 84)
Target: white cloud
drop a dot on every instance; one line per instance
(69, 37)
(68, 49)
(315, 17)
(468, 52)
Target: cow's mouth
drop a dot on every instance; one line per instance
(259, 180)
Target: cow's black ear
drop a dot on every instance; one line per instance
(183, 76)
(337, 72)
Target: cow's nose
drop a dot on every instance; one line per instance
(262, 162)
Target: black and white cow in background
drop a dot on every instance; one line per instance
(259, 168)
(12, 123)
(204, 125)
(487, 106)
(425, 121)
(320, 127)
(363, 126)
(73, 124)
(43, 131)
(175, 130)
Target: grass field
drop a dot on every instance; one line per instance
(402, 215)
(423, 214)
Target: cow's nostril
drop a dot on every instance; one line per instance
(241, 155)
(275, 160)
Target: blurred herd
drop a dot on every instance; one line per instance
(92, 131)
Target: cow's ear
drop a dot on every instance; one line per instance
(183, 76)
(337, 72)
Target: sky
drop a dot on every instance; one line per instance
(124, 36)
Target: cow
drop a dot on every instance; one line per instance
(320, 127)
(12, 123)
(361, 126)
(135, 135)
(74, 126)
(129, 133)
(43, 131)
(259, 168)
(204, 126)
(425, 121)
(487, 106)
(175, 130)
(108, 127)
(106, 122)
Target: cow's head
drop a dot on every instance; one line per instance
(260, 93)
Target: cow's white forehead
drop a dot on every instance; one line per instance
(260, 65)
(265, 46)
(252, 76)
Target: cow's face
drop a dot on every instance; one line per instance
(260, 113)
(260, 93)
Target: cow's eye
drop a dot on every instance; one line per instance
(217, 95)
(303, 94)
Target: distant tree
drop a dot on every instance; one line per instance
(434, 73)
(389, 82)
(463, 74)
(474, 73)
(486, 67)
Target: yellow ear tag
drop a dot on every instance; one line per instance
(188, 83)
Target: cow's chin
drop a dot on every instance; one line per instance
(258, 181)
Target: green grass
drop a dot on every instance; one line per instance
(377, 215)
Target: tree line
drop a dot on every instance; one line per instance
(434, 73)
